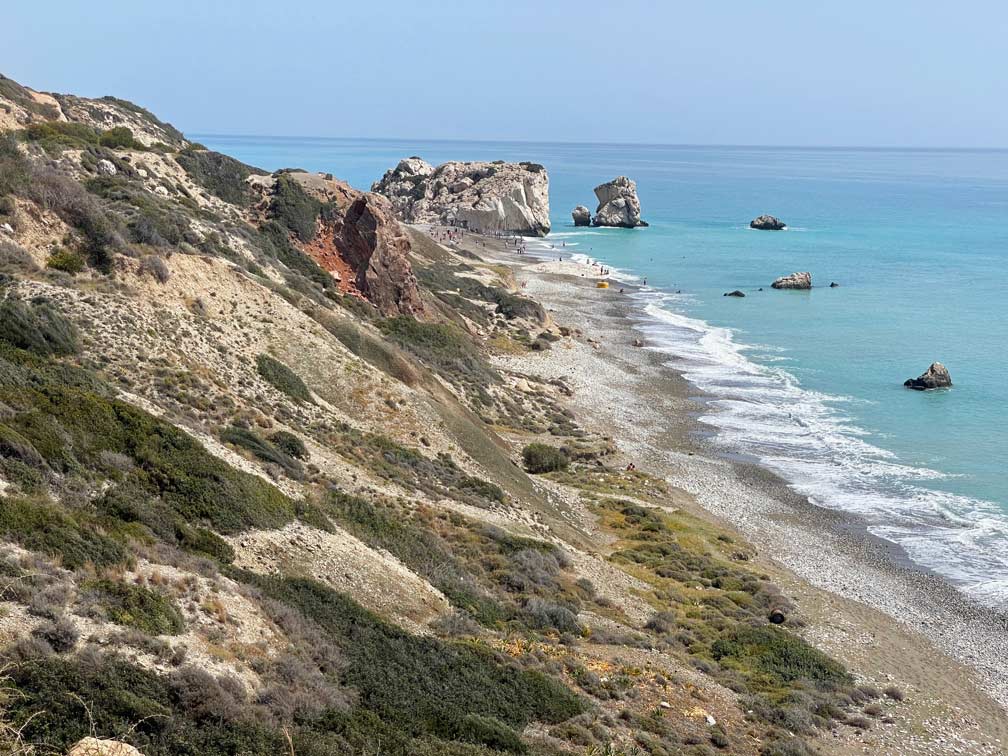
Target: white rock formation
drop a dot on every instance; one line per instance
(106, 167)
(618, 204)
(581, 216)
(484, 197)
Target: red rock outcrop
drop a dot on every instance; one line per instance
(377, 249)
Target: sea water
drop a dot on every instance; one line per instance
(809, 383)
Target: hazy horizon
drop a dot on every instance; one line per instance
(906, 75)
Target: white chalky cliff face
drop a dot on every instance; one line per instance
(484, 197)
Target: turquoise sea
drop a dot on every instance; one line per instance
(808, 382)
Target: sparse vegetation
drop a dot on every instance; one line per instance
(38, 327)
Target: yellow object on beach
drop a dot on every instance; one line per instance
(602, 285)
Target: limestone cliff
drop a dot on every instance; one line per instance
(485, 197)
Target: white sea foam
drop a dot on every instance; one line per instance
(761, 410)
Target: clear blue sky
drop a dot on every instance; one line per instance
(895, 73)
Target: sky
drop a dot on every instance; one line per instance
(821, 73)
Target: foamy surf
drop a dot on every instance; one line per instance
(763, 412)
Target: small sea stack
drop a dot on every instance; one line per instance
(802, 280)
(618, 204)
(935, 377)
(581, 216)
(767, 223)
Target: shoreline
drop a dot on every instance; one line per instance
(869, 604)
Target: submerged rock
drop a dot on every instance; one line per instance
(494, 197)
(581, 216)
(936, 376)
(794, 281)
(618, 204)
(767, 223)
(833, 284)
(735, 293)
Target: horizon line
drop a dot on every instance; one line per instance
(688, 145)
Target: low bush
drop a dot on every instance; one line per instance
(76, 540)
(776, 653)
(543, 458)
(135, 606)
(265, 450)
(61, 635)
(222, 176)
(15, 170)
(119, 137)
(38, 327)
(425, 686)
(66, 261)
(56, 136)
(282, 378)
(155, 267)
(292, 207)
(290, 444)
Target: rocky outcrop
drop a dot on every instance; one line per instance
(581, 216)
(735, 293)
(618, 204)
(936, 376)
(794, 281)
(358, 241)
(377, 248)
(484, 197)
(767, 223)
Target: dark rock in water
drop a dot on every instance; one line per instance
(794, 281)
(760, 288)
(833, 284)
(767, 223)
(735, 293)
(936, 376)
(638, 342)
(581, 216)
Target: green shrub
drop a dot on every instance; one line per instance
(203, 541)
(292, 207)
(543, 458)
(136, 606)
(777, 653)
(263, 449)
(67, 261)
(56, 136)
(424, 686)
(58, 411)
(290, 444)
(119, 137)
(282, 378)
(38, 327)
(222, 176)
(74, 539)
(15, 170)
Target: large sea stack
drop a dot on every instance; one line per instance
(618, 204)
(510, 198)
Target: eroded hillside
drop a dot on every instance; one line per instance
(263, 490)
